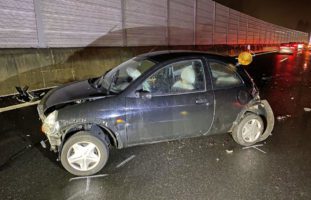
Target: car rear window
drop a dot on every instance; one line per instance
(224, 75)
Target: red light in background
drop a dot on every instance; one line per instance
(305, 66)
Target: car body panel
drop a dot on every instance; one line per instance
(169, 117)
(227, 107)
(133, 120)
(186, 115)
(104, 112)
(68, 93)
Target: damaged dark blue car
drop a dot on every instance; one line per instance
(150, 98)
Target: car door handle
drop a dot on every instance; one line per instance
(201, 101)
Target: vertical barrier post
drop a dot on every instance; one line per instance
(246, 39)
(123, 23)
(39, 24)
(168, 22)
(228, 15)
(238, 30)
(214, 18)
(195, 22)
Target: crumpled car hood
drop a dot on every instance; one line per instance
(67, 93)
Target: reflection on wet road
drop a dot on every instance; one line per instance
(199, 168)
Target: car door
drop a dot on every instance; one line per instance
(230, 94)
(174, 102)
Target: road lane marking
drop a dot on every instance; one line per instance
(36, 90)
(284, 59)
(22, 105)
(87, 187)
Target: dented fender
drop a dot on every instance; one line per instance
(104, 127)
(263, 109)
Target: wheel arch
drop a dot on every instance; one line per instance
(104, 132)
(264, 110)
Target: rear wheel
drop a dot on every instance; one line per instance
(84, 154)
(249, 130)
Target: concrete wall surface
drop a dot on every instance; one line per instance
(42, 68)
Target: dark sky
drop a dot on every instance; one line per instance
(294, 14)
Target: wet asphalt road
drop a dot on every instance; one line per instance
(198, 168)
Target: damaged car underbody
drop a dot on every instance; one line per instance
(153, 97)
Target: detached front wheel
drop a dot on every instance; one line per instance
(84, 154)
(249, 130)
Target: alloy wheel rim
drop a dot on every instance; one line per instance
(251, 130)
(83, 156)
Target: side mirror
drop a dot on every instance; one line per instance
(143, 94)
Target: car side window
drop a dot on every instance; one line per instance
(224, 75)
(179, 77)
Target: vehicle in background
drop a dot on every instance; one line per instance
(286, 48)
(298, 46)
(294, 45)
(154, 97)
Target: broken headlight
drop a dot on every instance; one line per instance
(50, 124)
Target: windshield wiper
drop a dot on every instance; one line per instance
(113, 80)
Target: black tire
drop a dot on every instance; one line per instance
(237, 130)
(80, 137)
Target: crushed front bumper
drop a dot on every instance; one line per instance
(53, 138)
(41, 111)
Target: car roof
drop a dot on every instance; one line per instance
(163, 56)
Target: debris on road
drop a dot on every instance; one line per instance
(217, 159)
(43, 144)
(229, 151)
(255, 147)
(125, 161)
(266, 78)
(182, 144)
(211, 142)
(27, 135)
(280, 118)
(87, 177)
(307, 109)
(292, 98)
(25, 96)
(259, 150)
